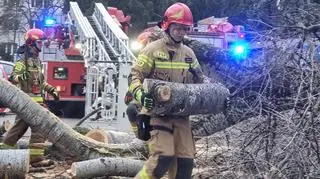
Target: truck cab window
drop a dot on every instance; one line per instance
(60, 73)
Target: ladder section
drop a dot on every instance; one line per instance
(86, 37)
(100, 84)
(112, 53)
(111, 31)
(117, 45)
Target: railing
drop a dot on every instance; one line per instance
(101, 70)
(94, 53)
(117, 39)
(119, 43)
(87, 38)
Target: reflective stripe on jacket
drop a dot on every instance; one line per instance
(165, 60)
(38, 99)
(33, 70)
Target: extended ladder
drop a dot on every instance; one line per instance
(107, 58)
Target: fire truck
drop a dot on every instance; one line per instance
(82, 62)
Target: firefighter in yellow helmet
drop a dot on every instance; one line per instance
(27, 75)
(169, 60)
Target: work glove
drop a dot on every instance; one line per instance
(128, 98)
(55, 94)
(145, 99)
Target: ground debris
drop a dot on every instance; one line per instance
(58, 170)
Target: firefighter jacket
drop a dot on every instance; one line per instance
(33, 81)
(166, 60)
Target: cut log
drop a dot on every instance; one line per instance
(14, 163)
(113, 137)
(98, 135)
(186, 99)
(121, 137)
(106, 167)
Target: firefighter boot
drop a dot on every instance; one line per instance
(134, 128)
(172, 172)
(184, 168)
(132, 111)
(37, 158)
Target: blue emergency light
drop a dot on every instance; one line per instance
(239, 49)
(49, 21)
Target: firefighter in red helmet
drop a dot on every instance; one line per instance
(167, 59)
(27, 75)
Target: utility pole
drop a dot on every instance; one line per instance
(15, 27)
(15, 21)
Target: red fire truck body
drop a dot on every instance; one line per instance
(67, 71)
(68, 77)
(63, 67)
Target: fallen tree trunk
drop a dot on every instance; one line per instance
(186, 99)
(113, 137)
(14, 163)
(61, 135)
(106, 167)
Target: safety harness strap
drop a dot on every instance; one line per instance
(162, 128)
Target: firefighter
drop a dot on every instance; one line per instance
(169, 60)
(133, 107)
(27, 75)
(132, 111)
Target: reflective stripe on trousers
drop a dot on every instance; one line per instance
(38, 99)
(36, 152)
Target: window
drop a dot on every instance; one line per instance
(8, 69)
(36, 3)
(39, 3)
(60, 73)
(46, 3)
(33, 3)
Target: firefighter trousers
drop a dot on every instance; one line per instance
(171, 147)
(17, 131)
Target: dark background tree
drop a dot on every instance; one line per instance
(19, 15)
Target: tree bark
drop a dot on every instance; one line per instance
(24, 144)
(98, 135)
(60, 134)
(14, 163)
(106, 167)
(186, 99)
(6, 125)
